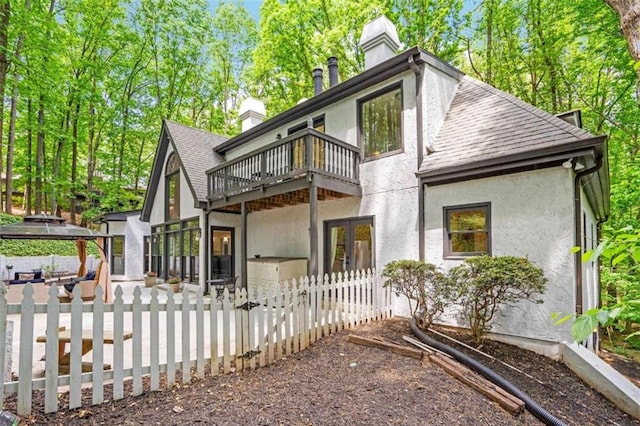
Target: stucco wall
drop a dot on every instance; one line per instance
(531, 216)
(438, 90)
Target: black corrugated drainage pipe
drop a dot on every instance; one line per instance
(494, 377)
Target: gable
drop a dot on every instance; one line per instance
(194, 148)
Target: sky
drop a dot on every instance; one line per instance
(253, 6)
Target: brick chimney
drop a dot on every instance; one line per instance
(379, 41)
(251, 112)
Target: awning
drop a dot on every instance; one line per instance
(47, 227)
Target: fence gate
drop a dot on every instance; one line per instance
(268, 326)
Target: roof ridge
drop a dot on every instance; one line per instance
(547, 116)
(194, 128)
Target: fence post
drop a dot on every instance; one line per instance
(6, 339)
(137, 342)
(26, 353)
(118, 342)
(98, 349)
(154, 318)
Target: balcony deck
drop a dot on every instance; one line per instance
(281, 173)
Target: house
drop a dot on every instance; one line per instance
(410, 159)
(130, 240)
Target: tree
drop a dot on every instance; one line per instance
(629, 13)
(426, 288)
(483, 284)
(298, 36)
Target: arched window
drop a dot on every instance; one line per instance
(172, 188)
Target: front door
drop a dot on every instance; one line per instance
(348, 245)
(222, 259)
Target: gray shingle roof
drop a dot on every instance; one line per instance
(195, 149)
(484, 123)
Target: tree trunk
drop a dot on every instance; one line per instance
(12, 120)
(489, 40)
(40, 157)
(28, 184)
(5, 13)
(10, 144)
(74, 164)
(629, 13)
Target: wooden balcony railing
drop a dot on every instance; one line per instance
(307, 151)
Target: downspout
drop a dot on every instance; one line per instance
(207, 250)
(577, 212)
(596, 339)
(420, 146)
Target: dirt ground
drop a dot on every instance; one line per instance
(335, 382)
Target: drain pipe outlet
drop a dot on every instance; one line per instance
(491, 375)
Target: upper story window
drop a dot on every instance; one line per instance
(318, 124)
(380, 122)
(172, 188)
(467, 230)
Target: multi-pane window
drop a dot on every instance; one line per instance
(117, 255)
(172, 174)
(381, 122)
(467, 230)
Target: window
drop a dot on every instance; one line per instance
(173, 188)
(467, 230)
(117, 255)
(175, 250)
(380, 118)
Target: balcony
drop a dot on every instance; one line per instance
(281, 173)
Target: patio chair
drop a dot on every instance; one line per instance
(228, 283)
(87, 284)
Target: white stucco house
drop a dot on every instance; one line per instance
(411, 159)
(128, 249)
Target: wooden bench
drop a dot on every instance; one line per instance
(64, 337)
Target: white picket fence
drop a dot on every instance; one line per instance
(188, 331)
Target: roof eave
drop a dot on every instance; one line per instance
(544, 157)
(149, 196)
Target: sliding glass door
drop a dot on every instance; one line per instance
(349, 245)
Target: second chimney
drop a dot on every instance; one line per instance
(317, 81)
(379, 41)
(251, 112)
(333, 71)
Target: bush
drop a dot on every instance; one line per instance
(420, 282)
(484, 283)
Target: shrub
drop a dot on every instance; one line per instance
(484, 283)
(420, 282)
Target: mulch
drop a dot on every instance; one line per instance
(335, 382)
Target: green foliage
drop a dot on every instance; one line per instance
(485, 283)
(20, 248)
(423, 284)
(8, 218)
(298, 36)
(619, 254)
(588, 322)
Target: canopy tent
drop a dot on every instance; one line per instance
(47, 227)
